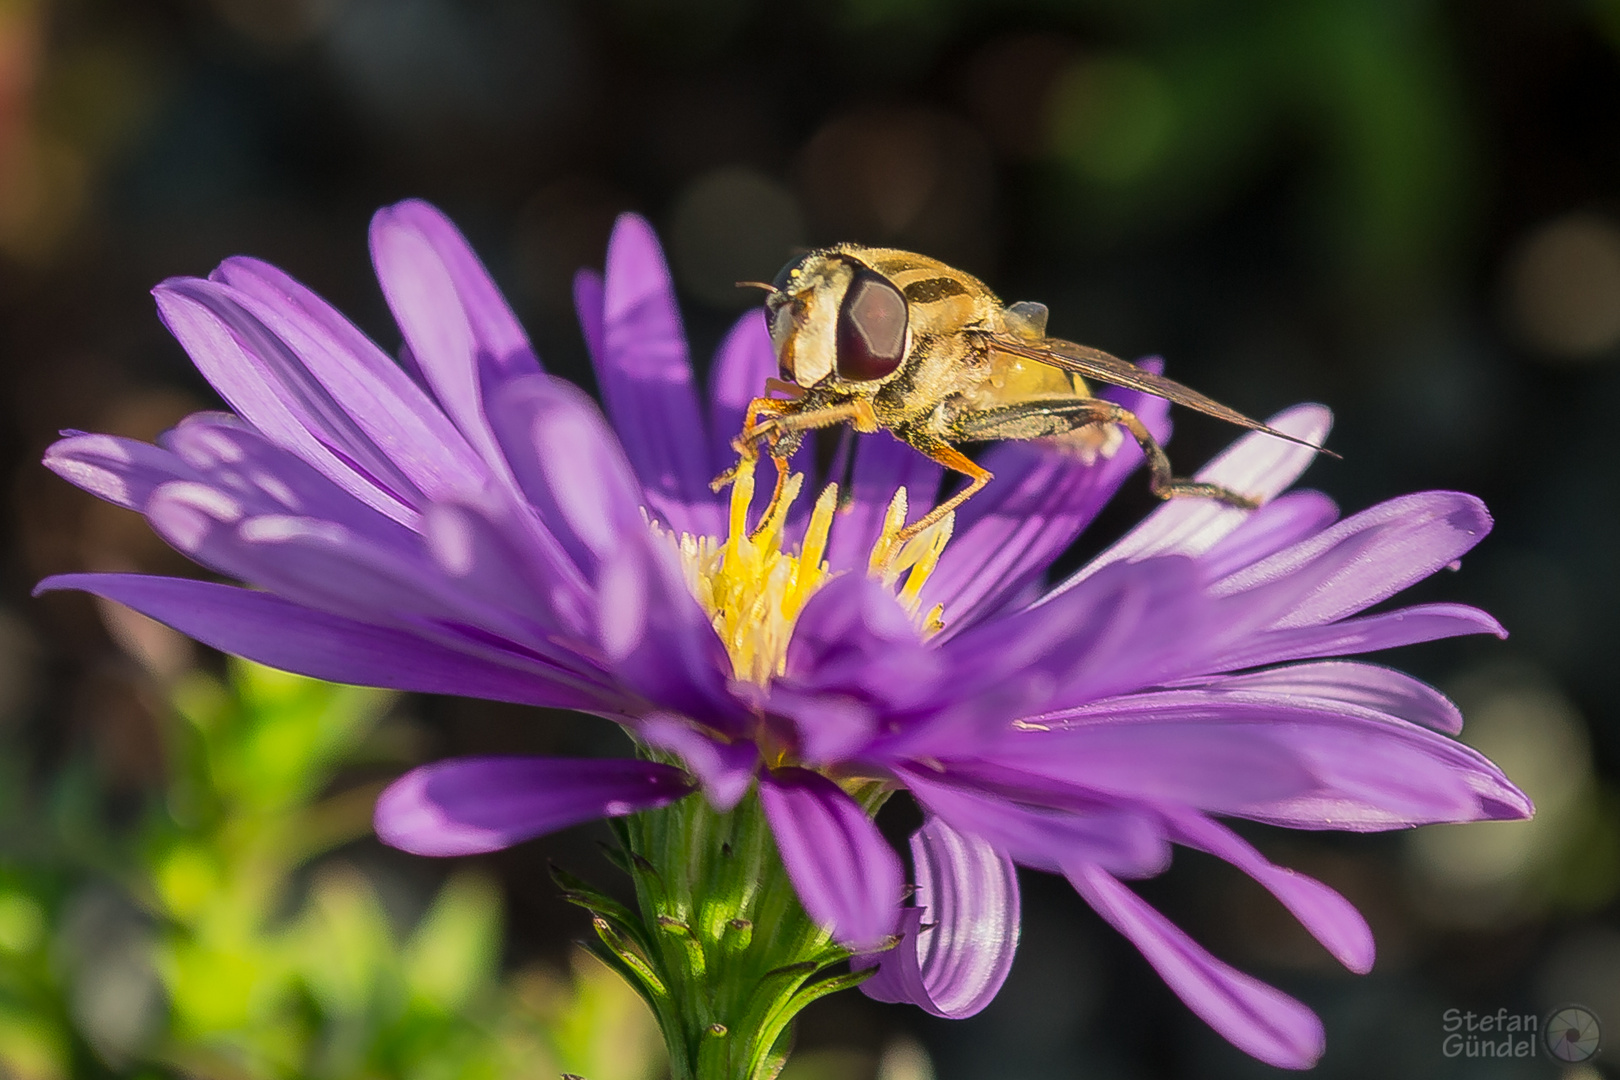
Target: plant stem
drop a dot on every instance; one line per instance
(720, 946)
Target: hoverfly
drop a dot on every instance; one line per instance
(885, 339)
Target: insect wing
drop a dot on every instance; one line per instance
(1096, 364)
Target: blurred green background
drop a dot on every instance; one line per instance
(1408, 210)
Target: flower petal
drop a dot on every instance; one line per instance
(854, 639)
(281, 634)
(456, 324)
(1368, 685)
(673, 659)
(589, 305)
(646, 380)
(1136, 759)
(1286, 520)
(1258, 464)
(397, 430)
(724, 770)
(122, 471)
(1042, 498)
(503, 348)
(469, 805)
(229, 456)
(1368, 771)
(269, 386)
(1256, 1018)
(847, 876)
(954, 964)
(482, 551)
(568, 465)
(1371, 633)
(1035, 832)
(1329, 917)
(328, 554)
(1394, 545)
(968, 893)
(1130, 625)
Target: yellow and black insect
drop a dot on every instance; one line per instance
(886, 339)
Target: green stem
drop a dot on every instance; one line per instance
(719, 946)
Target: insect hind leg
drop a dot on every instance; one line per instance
(1057, 416)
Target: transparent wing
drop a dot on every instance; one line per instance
(1096, 364)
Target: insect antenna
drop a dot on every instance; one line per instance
(757, 285)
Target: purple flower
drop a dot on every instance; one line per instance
(463, 523)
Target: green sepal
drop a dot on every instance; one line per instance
(581, 893)
(718, 942)
(773, 1027)
(629, 957)
(714, 1051)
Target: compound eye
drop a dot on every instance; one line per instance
(871, 328)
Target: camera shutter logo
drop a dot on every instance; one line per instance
(1572, 1035)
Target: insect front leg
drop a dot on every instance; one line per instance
(1056, 416)
(783, 430)
(747, 442)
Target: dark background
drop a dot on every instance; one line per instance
(1407, 210)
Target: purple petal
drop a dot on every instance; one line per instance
(968, 893)
(456, 325)
(265, 382)
(469, 805)
(283, 635)
(1132, 624)
(1407, 626)
(646, 381)
(482, 552)
(228, 456)
(1283, 521)
(1257, 1019)
(854, 639)
(1367, 685)
(370, 570)
(122, 471)
(827, 728)
(744, 361)
(1037, 833)
(568, 465)
(1042, 498)
(503, 347)
(589, 303)
(1329, 917)
(386, 424)
(724, 770)
(1394, 544)
(1257, 464)
(672, 657)
(1368, 771)
(847, 876)
(1140, 760)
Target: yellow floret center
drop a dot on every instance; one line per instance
(754, 590)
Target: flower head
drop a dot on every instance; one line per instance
(465, 523)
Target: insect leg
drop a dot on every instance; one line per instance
(1055, 416)
(952, 458)
(745, 443)
(783, 429)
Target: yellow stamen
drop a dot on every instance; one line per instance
(753, 591)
